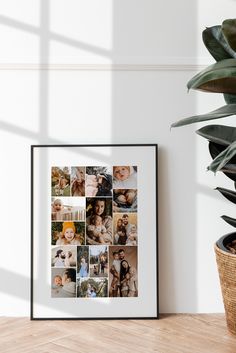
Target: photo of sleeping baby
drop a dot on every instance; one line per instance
(63, 283)
(92, 287)
(98, 181)
(98, 221)
(77, 181)
(125, 230)
(82, 261)
(63, 256)
(68, 209)
(125, 177)
(125, 200)
(68, 233)
(123, 276)
(60, 181)
(98, 263)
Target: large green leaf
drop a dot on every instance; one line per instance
(223, 158)
(216, 43)
(219, 77)
(230, 168)
(229, 30)
(222, 112)
(228, 194)
(221, 134)
(230, 98)
(229, 220)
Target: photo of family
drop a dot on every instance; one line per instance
(60, 181)
(124, 177)
(98, 181)
(98, 264)
(63, 283)
(64, 256)
(98, 221)
(78, 181)
(68, 233)
(125, 200)
(92, 287)
(123, 277)
(82, 261)
(125, 230)
(68, 208)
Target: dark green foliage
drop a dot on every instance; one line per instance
(219, 78)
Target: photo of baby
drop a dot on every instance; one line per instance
(92, 287)
(98, 263)
(125, 177)
(77, 181)
(82, 261)
(68, 233)
(63, 283)
(63, 256)
(60, 181)
(68, 209)
(123, 271)
(125, 229)
(98, 181)
(125, 200)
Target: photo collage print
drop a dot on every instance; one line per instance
(94, 231)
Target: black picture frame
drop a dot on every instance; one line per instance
(33, 200)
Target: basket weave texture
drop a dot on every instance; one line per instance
(226, 263)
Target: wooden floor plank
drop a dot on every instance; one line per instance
(171, 334)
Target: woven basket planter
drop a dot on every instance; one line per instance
(226, 263)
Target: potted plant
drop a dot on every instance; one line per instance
(220, 77)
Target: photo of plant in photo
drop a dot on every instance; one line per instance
(98, 263)
(125, 200)
(98, 181)
(77, 181)
(68, 233)
(98, 221)
(125, 177)
(123, 277)
(92, 288)
(63, 256)
(60, 181)
(68, 208)
(125, 231)
(63, 283)
(82, 261)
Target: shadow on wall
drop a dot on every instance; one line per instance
(130, 105)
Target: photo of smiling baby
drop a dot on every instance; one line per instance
(125, 177)
(68, 233)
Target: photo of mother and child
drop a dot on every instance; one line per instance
(123, 272)
(98, 221)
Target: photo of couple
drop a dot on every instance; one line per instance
(123, 272)
(125, 229)
(92, 288)
(63, 256)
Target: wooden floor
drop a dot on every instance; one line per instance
(171, 334)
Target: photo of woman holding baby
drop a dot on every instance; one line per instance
(99, 221)
(98, 181)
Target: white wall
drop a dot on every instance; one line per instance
(69, 105)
